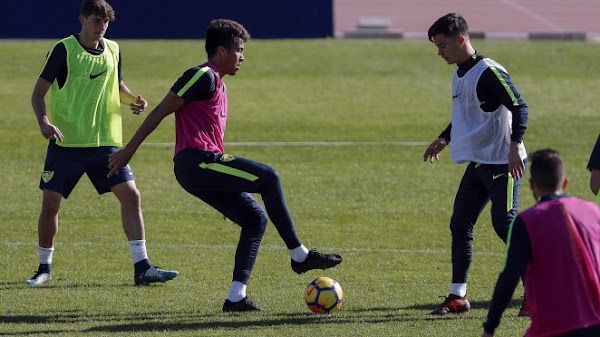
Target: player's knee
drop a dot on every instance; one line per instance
(51, 202)
(502, 231)
(461, 232)
(501, 223)
(130, 197)
(134, 195)
(271, 175)
(257, 221)
(260, 222)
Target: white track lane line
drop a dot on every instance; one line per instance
(535, 16)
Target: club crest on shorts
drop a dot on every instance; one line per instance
(47, 176)
(226, 158)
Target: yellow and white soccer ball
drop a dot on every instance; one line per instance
(324, 295)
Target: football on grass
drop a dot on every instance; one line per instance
(324, 295)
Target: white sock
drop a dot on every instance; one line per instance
(299, 253)
(45, 255)
(459, 289)
(237, 292)
(138, 250)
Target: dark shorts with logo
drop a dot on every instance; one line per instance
(225, 182)
(64, 167)
(215, 172)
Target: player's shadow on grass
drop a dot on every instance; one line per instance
(515, 303)
(63, 316)
(21, 285)
(56, 284)
(246, 321)
(376, 315)
(191, 321)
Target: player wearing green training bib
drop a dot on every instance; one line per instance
(83, 74)
(87, 108)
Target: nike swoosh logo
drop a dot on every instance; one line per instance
(496, 176)
(92, 76)
(456, 96)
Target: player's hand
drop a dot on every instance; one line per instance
(50, 131)
(433, 150)
(516, 167)
(139, 105)
(118, 160)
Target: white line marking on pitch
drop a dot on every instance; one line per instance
(267, 247)
(265, 144)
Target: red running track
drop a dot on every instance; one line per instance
(504, 18)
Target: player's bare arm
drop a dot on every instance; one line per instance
(137, 103)
(516, 167)
(47, 129)
(170, 103)
(434, 149)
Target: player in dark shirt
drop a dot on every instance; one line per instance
(489, 118)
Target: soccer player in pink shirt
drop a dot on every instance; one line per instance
(202, 168)
(556, 246)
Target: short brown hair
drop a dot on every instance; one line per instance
(547, 169)
(221, 33)
(98, 7)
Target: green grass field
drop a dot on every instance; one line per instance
(375, 201)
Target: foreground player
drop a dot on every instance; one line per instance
(199, 100)
(84, 72)
(489, 119)
(556, 245)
